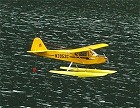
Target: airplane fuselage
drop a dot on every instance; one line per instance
(74, 57)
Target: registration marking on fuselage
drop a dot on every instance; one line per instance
(61, 56)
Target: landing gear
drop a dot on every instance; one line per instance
(69, 66)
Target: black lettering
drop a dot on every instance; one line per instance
(61, 56)
(67, 56)
(56, 56)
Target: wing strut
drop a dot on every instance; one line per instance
(93, 52)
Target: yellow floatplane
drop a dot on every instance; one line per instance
(85, 55)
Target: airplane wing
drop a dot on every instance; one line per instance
(91, 47)
(87, 48)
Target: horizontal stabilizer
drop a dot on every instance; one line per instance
(39, 51)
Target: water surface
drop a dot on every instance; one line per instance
(70, 24)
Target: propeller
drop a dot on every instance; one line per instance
(106, 58)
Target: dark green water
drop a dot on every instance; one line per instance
(72, 24)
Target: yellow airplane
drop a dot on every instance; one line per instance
(85, 55)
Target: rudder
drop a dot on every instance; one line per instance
(38, 45)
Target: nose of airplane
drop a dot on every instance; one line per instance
(106, 58)
(102, 59)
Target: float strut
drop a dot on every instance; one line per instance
(69, 66)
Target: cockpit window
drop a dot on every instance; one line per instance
(83, 54)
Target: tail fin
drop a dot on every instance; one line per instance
(37, 46)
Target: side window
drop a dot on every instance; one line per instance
(82, 53)
(76, 54)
